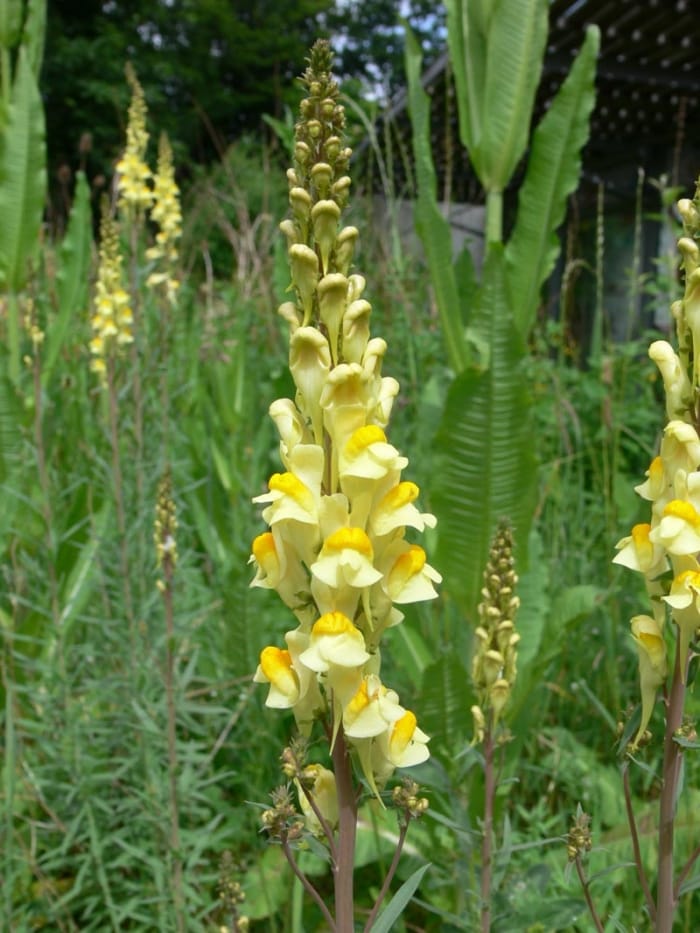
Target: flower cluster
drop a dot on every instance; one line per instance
(494, 661)
(134, 175)
(336, 552)
(671, 539)
(112, 317)
(167, 215)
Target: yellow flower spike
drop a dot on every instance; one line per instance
(275, 668)
(332, 301)
(304, 266)
(324, 217)
(651, 649)
(133, 173)
(345, 248)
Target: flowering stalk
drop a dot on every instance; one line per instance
(493, 674)
(164, 531)
(111, 325)
(671, 541)
(134, 198)
(336, 552)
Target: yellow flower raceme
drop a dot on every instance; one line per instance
(338, 512)
(112, 317)
(134, 175)
(167, 215)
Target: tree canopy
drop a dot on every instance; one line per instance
(210, 68)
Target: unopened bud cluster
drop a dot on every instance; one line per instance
(165, 526)
(496, 641)
(405, 797)
(579, 840)
(231, 896)
(282, 821)
(671, 537)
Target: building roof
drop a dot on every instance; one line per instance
(647, 111)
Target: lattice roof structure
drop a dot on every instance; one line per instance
(647, 111)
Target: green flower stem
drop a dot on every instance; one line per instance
(585, 884)
(347, 830)
(118, 493)
(494, 217)
(635, 843)
(667, 896)
(487, 833)
(308, 887)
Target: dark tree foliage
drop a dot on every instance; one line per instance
(210, 68)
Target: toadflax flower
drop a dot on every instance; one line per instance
(112, 317)
(340, 515)
(670, 540)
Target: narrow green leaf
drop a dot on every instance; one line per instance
(10, 22)
(22, 175)
(467, 39)
(397, 905)
(433, 229)
(34, 33)
(72, 275)
(516, 44)
(79, 583)
(485, 465)
(552, 174)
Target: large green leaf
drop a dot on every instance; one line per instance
(552, 175)
(22, 175)
(496, 50)
(34, 33)
(485, 465)
(433, 229)
(73, 273)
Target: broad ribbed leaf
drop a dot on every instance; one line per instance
(22, 176)
(433, 230)
(73, 273)
(485, 465)
(553, 172)
(467, 39)
(446, 698)
(517, 38)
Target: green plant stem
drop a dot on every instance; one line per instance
(388, 878)
(172, 743)
(487, 832)
(135, 359)
(45, 489)
(308, 887)
(344, 866)
(635, 843)
(118, 489)
(494, 217)
(585, 884)
(666, 899)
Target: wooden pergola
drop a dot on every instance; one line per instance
(647, 111)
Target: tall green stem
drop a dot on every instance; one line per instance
(494, 217)
(487, 834)
(666, 897)
(347, 829)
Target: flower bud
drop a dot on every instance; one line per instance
(304, 266)
(325, 216)
(332, 297)
(321, 175)
(356, 330)
(345, 248)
